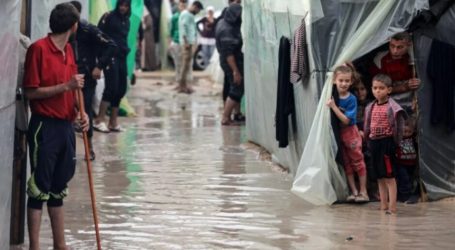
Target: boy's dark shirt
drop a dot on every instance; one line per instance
(94, 48)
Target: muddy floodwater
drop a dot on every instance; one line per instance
(177, 179)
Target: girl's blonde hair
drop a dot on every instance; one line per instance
(346, 69)
(343, 69)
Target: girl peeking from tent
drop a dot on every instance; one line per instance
(351, 142)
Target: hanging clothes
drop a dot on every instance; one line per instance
(441, 71)
(285, 105)
(299, 54)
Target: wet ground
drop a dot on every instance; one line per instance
(176, 179)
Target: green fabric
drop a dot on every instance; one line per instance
(97, 10)
(35, 140)
(175, 35)
(61, 195)
(187, 27)
(33, 190)
(137, 9)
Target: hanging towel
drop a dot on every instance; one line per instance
(299, 54)
(285, 105)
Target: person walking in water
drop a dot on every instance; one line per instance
(116, 25)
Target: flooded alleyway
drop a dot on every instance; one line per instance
(177, 179)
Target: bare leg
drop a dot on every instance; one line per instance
(113, 119)
(383, 194)
(228, 107)
(34, 224)
(237, 109)
(351, 182)
(392, 188)
(102, 112)
(363, 185)
(58, 227)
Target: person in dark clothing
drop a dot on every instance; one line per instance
(115, 24)
(94, 51)
(229, 45)
(223, 12)
(238, 116)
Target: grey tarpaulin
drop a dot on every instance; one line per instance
(437, 146)
(338, 31)
(9, 40)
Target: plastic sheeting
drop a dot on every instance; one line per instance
(9, 39)
(264, 22)
(214, 69)
(348, 30)
(436, 145)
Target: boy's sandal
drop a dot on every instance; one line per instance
(101, 127)
(362, 198)
(351, 198)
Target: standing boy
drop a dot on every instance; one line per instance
(50, 81)
(384, 121)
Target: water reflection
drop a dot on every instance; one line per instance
(176, 179)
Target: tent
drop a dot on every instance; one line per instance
(337, 31)
(10, 14)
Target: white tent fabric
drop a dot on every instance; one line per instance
(337, 31)
(9, 54)
(40, 16)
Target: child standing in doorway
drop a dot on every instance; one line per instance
(384, 120)
(346, 111)
(406, 155)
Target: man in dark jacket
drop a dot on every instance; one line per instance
(238, 116)
(229, 45)
(94, 51)
(115, 24)
(224, 10)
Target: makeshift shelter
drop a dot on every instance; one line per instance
(10, 15)
(337, 31)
